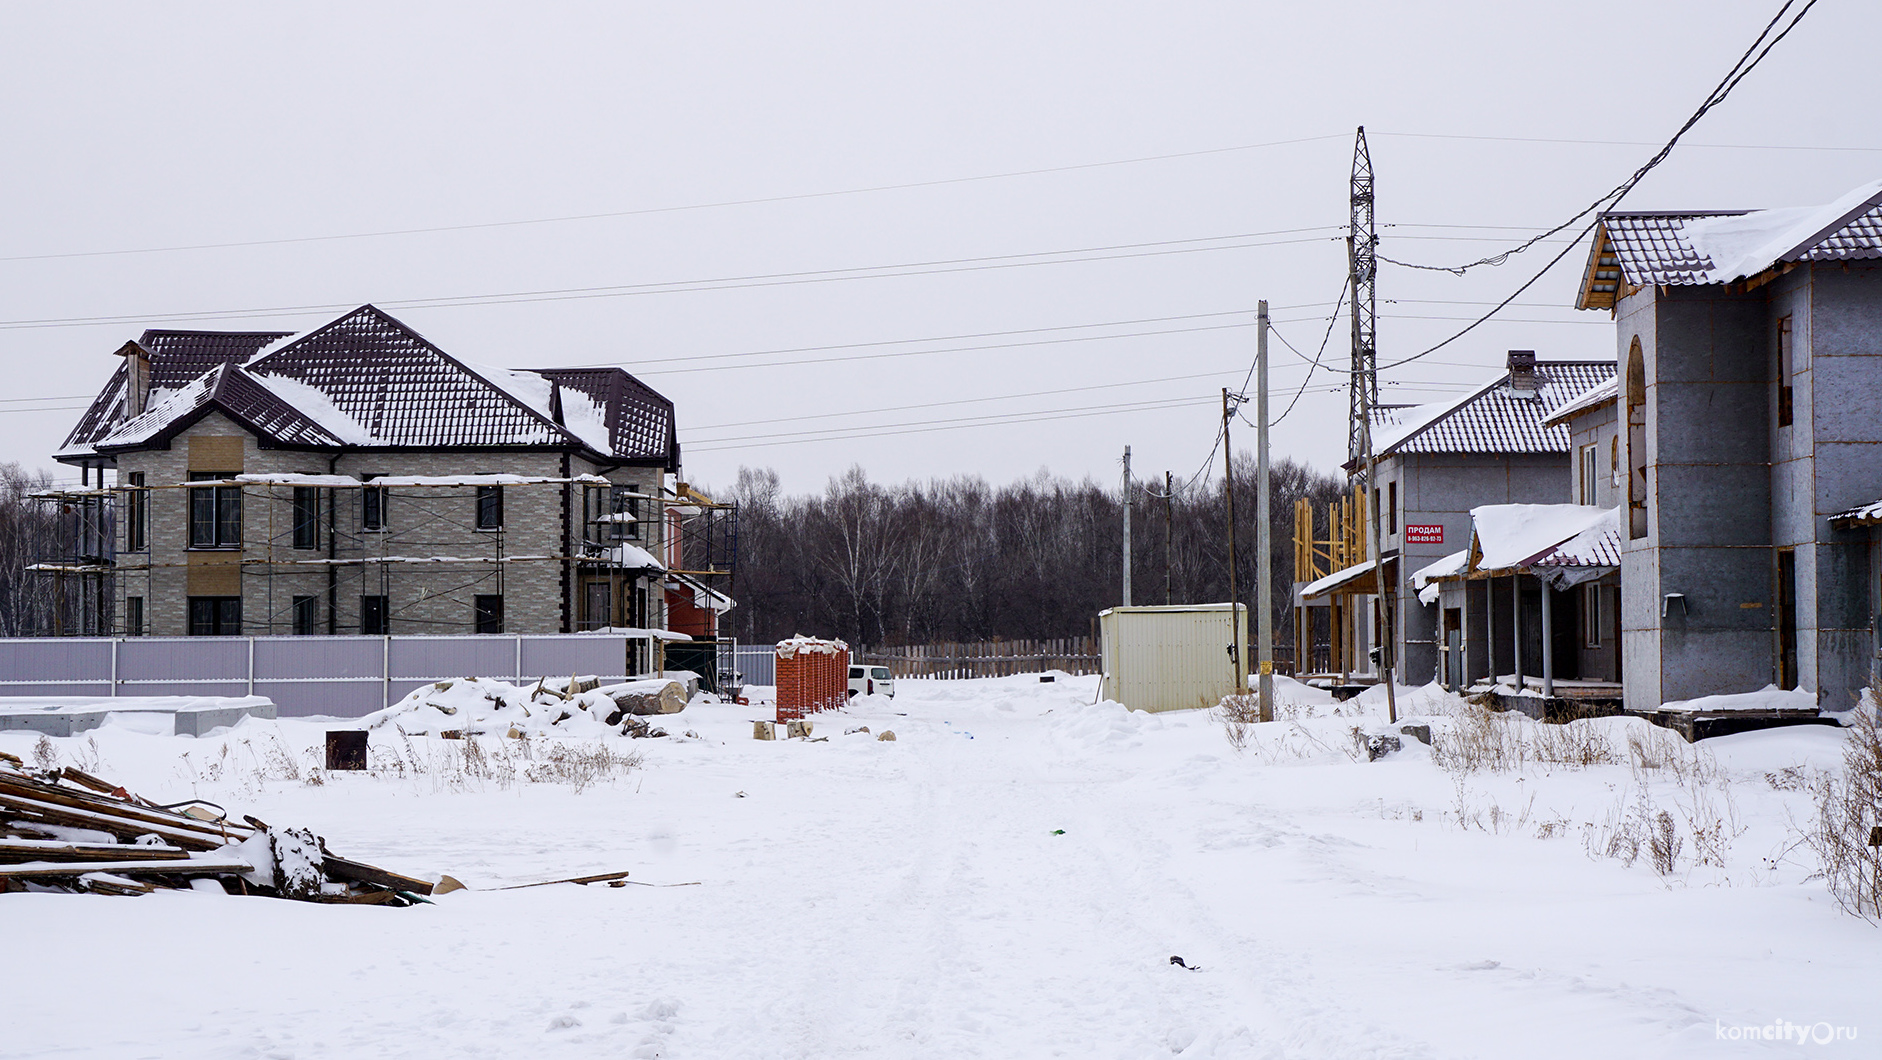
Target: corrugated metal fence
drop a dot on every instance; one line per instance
(336, 676)
(987, 658)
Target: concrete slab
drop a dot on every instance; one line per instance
(158, 715)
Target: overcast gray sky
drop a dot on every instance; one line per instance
(133, 128)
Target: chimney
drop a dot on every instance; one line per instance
(136, 378)
(1523, 373)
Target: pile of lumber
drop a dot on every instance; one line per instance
(66, 830)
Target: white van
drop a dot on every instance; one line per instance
(871, 681)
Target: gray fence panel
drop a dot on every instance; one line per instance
(57, 660)
(438, 658)
(336, 699)
(182, 659)
(286, 657)
(756, 666)
(558, 656)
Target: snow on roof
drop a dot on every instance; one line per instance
(1425, 579)
(633, 557)
(315, 405)
(366, 379)
(1721, 246)
(161, 407)
(1336, 579)
(1450, 566)
(1492, 418)
(1597, 546)
(1512, 535)
(1864, 515)
(1592, 398)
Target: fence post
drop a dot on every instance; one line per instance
(251, 666)
(519, 658)
(114, 666)
(385, 672)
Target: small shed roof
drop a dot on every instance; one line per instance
(1865, 515)
(1603, 393)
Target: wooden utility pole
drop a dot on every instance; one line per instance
(1127, 526)
(1264, 546)
(1228, 490)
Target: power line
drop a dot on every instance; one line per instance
(1739, 71)
(971, 400)
(865, 272)
(946, 425)
(1625, 143)
(1332, 319)
(674, 209)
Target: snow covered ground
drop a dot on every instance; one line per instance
(1008, 878)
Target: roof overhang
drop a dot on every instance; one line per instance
(1356, 580)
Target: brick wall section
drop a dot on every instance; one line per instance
(420, 521)
(813, 675)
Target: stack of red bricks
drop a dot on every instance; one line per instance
(813, 675)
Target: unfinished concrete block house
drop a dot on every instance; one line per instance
(1750, 426)
(1495, 444)
(357, 479)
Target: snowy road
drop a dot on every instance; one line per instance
(912, 899)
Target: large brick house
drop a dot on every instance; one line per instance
(357, 479)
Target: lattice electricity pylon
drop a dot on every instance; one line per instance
(1363, 390)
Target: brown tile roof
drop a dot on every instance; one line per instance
(368, 380)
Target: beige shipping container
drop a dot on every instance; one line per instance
(1171, 658)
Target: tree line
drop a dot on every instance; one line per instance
(960, 559)
(30, 532)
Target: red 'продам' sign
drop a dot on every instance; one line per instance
(1424, 535)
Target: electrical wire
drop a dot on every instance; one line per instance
(930, 426)
(780, 279)
(1739, 71)
(1737, 74)
(681, 209)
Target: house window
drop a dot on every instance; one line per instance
(1636, 426)
(489, 614)
(215, 513)
(306, 517)
(133, 616)
(306, 615)
(372, 505)
(374, 618)
(1391, 508)
(1785, 370)
(136, 514)
(1591, 617)
(215, 616)
(611, 514)
(1586, 482)
(490, 507)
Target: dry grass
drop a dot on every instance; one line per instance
(1848, 813)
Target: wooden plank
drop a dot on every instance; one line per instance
(75, 817)
(60, 850)
(51, 793)
(185, 867)
(338, 868)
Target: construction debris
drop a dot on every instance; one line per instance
(571, 706)
(64, 830)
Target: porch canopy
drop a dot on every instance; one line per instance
(1356, 580)
(1563, 544)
